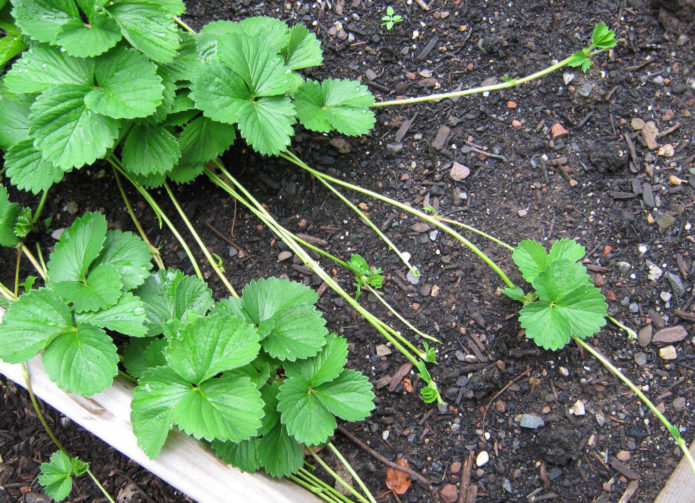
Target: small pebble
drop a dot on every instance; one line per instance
(640, 358)
(282, 256)
(578, 408)
(668, 353)
(622, 455)
(531, 421)
(644, 335)
(676, 283)
(507, 486)
(459, 171)
(455, 467)
(679, 404)
(383, 350)
(482, 458)
(669, 335)
(57, 233)
(655, 272)
(558, 131)
(449, 493)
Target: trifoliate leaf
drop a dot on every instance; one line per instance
(186, 62)
(184, 172)
(304, 416)
(325, 366)
(152, 410)
(349, 396)
(266, 124)
(126, 317)
(303, 49)
(82, 361)
(148, 27)
(279, 454)
(603, 37)
(150, 149)
(210, 345)
(566, 249)
(43, 67)
(299, 332)
(218, 34)
(580, 58)
(9, 213)
(32, 322)
(86, 40)
(127, 85)
(169, 295)
(335, 104)
(219, 92)
(203, 140)
(28, 170)
(140, 355)
(264, 298)
(567, 306)
(516, 293)
(14, 121)
(223, 408)
(56, 476)
(257, 63)
(242, 455)
(77, 248)
(531, 259)
(129, 255)
(100, 290)
(274, 32)
(43, 19)
(66, 132)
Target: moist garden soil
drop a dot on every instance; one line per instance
(619, 178)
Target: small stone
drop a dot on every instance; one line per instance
(507, 486)
(395, 147)
(600, 418)
(370, 74)
(558, 131)
(455, 467)
(585, 89)
(441, 137)
(644, 335)
(412, 279)
(383, 350)
(449, 493)
(578, 408)
(649, 133)
(420, 227)
(665, 296)
(663, 220)
(669, 335)
(679, 404)
(341, 145)
(500, 406)
(666, 150)
(522, 213)
(531, 421)
(482, 458)
(71, 207)
(57, 233)
(637, 124)
(675, 181)
(460, 355)
(676, 283)
(511, 105)
(622, 455)
(655, 272)
(283, 255)
(624, 266)
(459, 171)
(516, 124)
(633, 308)
(640, 358)
(668, 353)
(567, 77)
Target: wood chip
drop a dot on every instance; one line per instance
(403, 130)
(670, 335)
(403, 371)
(649, 133)
(441, 137)
(624, 469)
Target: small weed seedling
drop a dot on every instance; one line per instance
(391, 18)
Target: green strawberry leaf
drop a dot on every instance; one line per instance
(31, 323)
(28, 170)
(43, 67)
(140, 355)
(148, 150)
(242, 455)
(100, 290)
(56, 476)
(274, 32)
(148, 27)
(279, 454)
(77, 248)
(303, 49)
(303, 414)
(223, 408)
(209, 345)
(298, 332)
(215, 36)
(10, 45)
(86, 40)
(14, 121)
(349, 396)
(9, 213)
(184, 172)
(580, 58)
(159, 390)
(129, 255)
(560, 278)
(325, 366)
(82, 361)
(602, 37)
(219, 92)
(127, 85)
(185, 64)
(169, 295)
(531, 259)
(566, 249)
(60, 122)
(266, 124)
(126, 317)
(516, 293)
(264, 299)
(203, 140)
(335, 104)
(43, 19)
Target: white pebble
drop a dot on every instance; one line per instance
(482, 458)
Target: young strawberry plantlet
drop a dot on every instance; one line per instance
(391, 18)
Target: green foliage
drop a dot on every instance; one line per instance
(564, 302)
(9, 213)
(364, 274)
(602, 39)
(56, 475)
(391, 18)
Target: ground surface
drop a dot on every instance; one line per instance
(630, 206)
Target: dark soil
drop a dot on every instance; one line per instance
(631, 210)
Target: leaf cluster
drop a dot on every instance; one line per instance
(12, 42)
(103, 78)
(602, 39)
(56, 475)
(365, 275)
(564, 302)
(391, 18)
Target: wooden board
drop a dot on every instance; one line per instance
(184, 463)
(681, 484)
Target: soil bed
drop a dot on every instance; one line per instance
(630, 206)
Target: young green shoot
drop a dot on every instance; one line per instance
(391, 18)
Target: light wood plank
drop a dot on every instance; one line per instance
(184, 462)
(681, 484)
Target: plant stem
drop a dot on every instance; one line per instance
(215, 266)
(39, 269)
(39, 208)
(16, 272)
(630, 333)
(39, 253)
(614, 370)
(156, 256)
(337, 477)
(6, 293)
(401, 318)
(476, 231)
(352, 472)
(183, 25)
(98, 484)
(291, 157)
(418, 213)
(268, 220)
(320, 487)
(42, 419)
